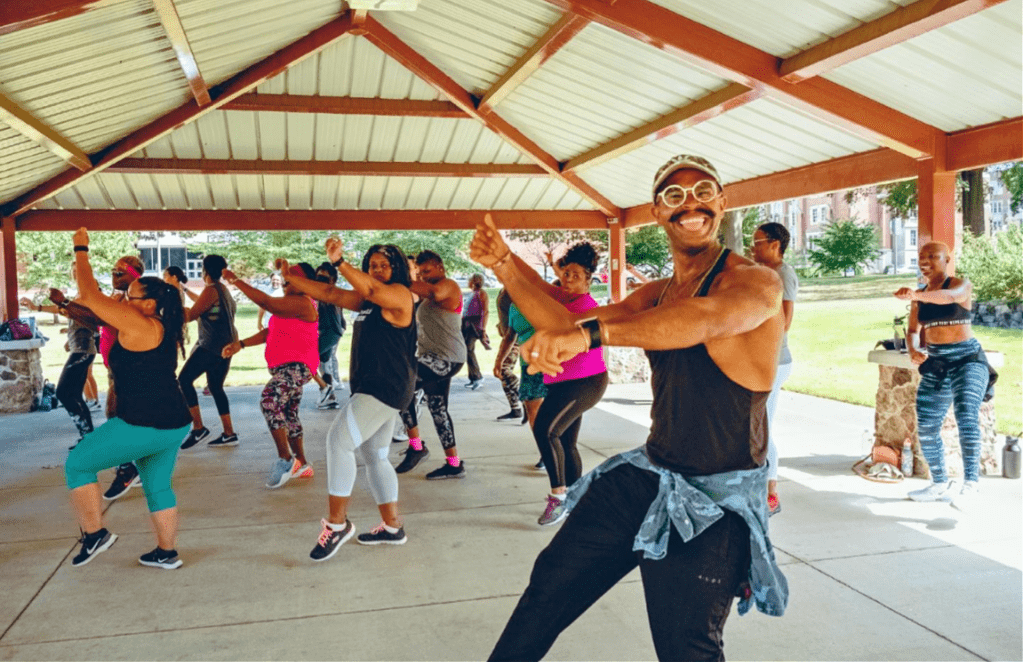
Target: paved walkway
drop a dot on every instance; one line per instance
(872, 575)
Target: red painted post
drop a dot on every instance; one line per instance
(936, 204)
(616, 259)
(8, 271)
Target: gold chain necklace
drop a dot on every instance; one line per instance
(699, 285)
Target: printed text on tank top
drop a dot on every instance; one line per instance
(949, 314)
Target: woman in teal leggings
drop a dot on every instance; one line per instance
(152, 417)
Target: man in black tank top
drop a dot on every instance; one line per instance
(712, 333)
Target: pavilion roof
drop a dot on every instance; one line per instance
(310, 114)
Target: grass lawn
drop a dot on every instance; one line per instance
(837, 322)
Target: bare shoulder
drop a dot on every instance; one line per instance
(740, 271)
(646, 296)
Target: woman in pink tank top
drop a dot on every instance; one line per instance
(292, 358)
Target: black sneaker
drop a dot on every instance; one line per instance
(381, 536)
(127, 477)
(93, 544)
(412, 458)
(330, 541)
(525, 418)
(224, 440)
(539, 465)
(161, 558)
(510, 416)
(447, 471)
(194, 437)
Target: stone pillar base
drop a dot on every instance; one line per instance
(21, 375)
(626, 365)
(895, 420)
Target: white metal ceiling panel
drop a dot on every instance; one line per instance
(599, 86)
(757, 139)
(473, 41)
(228, 36)
(782, 28)
(965, 74)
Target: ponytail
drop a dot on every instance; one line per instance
(168, 308)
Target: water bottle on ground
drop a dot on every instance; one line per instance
(907, 459)
(1010, 457)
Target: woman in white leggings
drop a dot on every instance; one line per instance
(383, 375)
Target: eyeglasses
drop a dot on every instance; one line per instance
(118, 274)
(759, 241)
(704, 190)
(131, 298)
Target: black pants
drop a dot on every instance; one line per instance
(471, 335)
(556, 429)
(434, 377)
(688, 593)
(69, 390)
(202, 361)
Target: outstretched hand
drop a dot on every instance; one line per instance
(282, 266)
(335, 249)
(229, 276)
(231, 349)
(904, 293)
(488, 246)
(56, 296)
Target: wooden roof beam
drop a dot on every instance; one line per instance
(291, 103)
(894, 28)
(739, 62)
(557, 37)
(42, 134)
(384, 219)
(229, 90)
(985, 145)
(168, 14)
(328, 168)
(701, 110)
(386, 41)
(20, 15)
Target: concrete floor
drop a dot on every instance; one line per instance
(873, 576)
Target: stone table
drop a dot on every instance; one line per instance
(895, 416)
(21, 374)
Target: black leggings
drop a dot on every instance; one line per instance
(557, 424)
(203, 360)
(688, 593)
(434, 377)
(69, 390)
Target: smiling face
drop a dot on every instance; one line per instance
(693, 225)
(380, 267)
(275, 281)
(575, 279)
(933, 260)
(765, 249)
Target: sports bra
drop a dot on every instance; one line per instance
(946, 314)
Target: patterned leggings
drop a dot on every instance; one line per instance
(434, 377)
(282, 395)
(962, 387)
(509, 380)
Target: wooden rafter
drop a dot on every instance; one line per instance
(174, 219)
(984, 145)
(562, 32)
(701, 110)
(168, 14)
(894, 28)
(386, 41)
(231, 89)
(44, 135)
(334, 168)
(21, 14)
(291, 103)
(739, 62)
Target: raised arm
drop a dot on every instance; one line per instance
(291, 307)
(325, 291)
(445, 294)
(960, 290)
(203, 302)
(393, 297)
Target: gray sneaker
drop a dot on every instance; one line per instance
(554, 512)
(281, 471)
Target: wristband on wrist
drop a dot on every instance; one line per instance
(81, 249)
(241, 343)
(338, 262)
(499, 263)
(592, 330)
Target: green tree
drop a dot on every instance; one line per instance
(845, 245)
(648, 246)
(252, 253)
(46, 257)
(993, 265)
(541, 242)
(1012, 177)
(451, 245)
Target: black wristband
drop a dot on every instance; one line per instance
(241, 343)
(81, 249)
(338, 262)
(593, 328)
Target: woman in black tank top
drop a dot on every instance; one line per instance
(151, 415)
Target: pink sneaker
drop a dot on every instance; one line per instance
(305, 471)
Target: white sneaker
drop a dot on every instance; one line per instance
(968, 497)
(325, 393)
(935, 492)
(328, 402)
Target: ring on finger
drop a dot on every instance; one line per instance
(534, 354)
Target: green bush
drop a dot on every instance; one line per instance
(994, 265)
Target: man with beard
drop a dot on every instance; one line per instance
(441, 353)
(689, 507)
